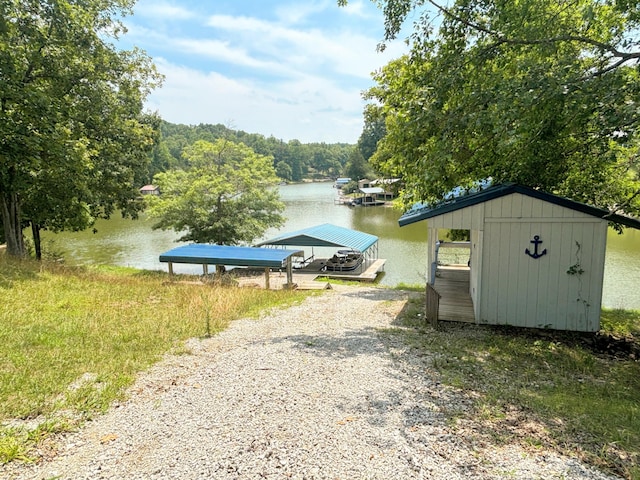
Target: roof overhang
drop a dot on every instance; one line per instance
(423, 212)
(200, 253)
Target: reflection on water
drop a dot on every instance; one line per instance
(134, 243)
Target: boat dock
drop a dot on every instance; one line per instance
(367, 273)
(311, 277)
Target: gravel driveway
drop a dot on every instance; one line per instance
(309, 392)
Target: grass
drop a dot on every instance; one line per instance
(587, 403)
(73, 339)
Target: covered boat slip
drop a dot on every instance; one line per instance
(328, 235)
(224, 255)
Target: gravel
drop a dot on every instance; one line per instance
(314, 391)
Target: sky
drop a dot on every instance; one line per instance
(283, 68)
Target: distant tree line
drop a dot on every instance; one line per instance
(292, 160)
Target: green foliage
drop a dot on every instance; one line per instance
(283, 170)
(293, 160)
(224, 196)
(623, 323)
(550, 102)
(350, 187)
(357, 167)
(456, 235)
(373, 131)
(73, 138)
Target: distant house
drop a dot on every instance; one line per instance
(150, 190)
(341, 182)
(364, 183)
(378, 190)
(389, 185)
(535, 259)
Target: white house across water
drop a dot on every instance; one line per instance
(536, 260)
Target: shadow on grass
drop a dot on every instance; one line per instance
(16, 270)
(570, 392)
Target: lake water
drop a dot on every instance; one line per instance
(134, 243)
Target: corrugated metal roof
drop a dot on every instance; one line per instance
(424, 212)
(325, 235)
(201, 253)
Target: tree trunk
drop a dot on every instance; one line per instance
(10, 211)
(37, 245)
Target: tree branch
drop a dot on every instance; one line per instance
(501, 39)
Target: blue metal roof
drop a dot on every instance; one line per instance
(201, 253)
(424, 212)
(325, 235)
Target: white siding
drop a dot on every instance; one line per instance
(519, 290)
(475, 285)
(470, 218)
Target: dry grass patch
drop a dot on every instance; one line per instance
(74, 338)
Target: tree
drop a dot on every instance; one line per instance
(224, 196)
(540, 92)
(373, 131)
(357, 167)
(73, 138)
(283, 170)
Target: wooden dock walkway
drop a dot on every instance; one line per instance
(367, 274)
(452, 283)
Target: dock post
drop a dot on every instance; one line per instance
(267, 272)
(289, 273)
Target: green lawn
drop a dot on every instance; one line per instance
(587, 399)
(73, 338)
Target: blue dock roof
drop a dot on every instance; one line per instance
(201, 253)
(325, 235)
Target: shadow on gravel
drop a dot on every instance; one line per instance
(355, 342)
(352, 343)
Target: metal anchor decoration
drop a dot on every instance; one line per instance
(536, 242)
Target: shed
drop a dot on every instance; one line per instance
(150, 190)
(536, 259)
(207, 254)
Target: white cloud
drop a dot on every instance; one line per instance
(309, 109)
(298, 12)
(344, 52)
(162, 10)
(291, 73)
(220, 50)
(356, 9)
